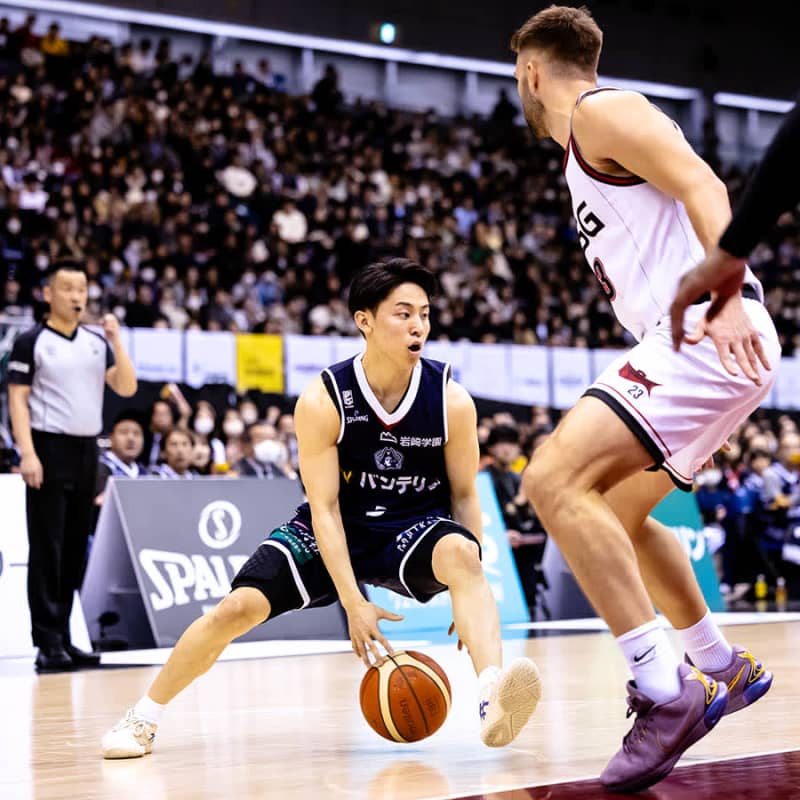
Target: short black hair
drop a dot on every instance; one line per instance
(377, 281)
(176, 415)
(502, 433)
(129, 415)
(69, 264)
(176, 432)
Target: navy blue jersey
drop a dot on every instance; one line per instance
(392, 467)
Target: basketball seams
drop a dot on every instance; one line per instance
(425, 668)
(433, 665)
(385, 705)
(413, 694)
(382, 694)
(369, 698)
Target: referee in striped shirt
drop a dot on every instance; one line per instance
(56, 377)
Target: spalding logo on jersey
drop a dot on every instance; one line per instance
(388, 459)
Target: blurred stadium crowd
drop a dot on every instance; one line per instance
(221, 202)
(201, 200)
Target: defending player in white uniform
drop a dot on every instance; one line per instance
(647, 207)
(639, 241)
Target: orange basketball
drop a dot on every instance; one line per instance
(406, 698)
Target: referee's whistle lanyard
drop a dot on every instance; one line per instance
(131, 470)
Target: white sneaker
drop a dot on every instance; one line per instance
(507, 703)
(131, 737)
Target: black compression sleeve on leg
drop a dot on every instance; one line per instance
(773, 189)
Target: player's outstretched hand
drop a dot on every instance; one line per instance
(721, 274)
(736, 339)
(362, 622)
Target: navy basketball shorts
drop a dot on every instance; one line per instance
(288, 568)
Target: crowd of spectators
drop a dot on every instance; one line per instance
(219, 201)
(177, 440)
(749, 500)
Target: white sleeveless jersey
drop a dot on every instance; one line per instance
(637, 240)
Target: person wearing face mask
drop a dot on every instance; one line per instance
(248, 411)
(95, 294)
(13, 244)
(265, 454)
(232, 424)
(233, 433)
(204, 426)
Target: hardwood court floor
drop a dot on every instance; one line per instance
(291, 728)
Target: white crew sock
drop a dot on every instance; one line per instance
(150, 710)
(652, 661)
(487, 677)
(706, 646)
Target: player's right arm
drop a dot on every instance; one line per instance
(317, 427)
(624, 128)
(775, 187)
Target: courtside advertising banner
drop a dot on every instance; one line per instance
(570, 371)
(259, 362)
(184, 540)
(15, 618)
(306, 357)
(210, 358)
(157, 354)
(529, 373)
(679, 512)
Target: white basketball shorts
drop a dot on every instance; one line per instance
(683, 406)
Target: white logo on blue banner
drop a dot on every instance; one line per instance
(220, 524)
(498, 565)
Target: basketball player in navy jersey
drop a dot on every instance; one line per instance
(647, 208)
(389, 456)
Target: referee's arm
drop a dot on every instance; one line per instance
(121, 377)
(30, 466)
(21, 369)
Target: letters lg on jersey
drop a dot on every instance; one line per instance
(589, 225)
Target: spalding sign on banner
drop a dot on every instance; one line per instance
(166, 551)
